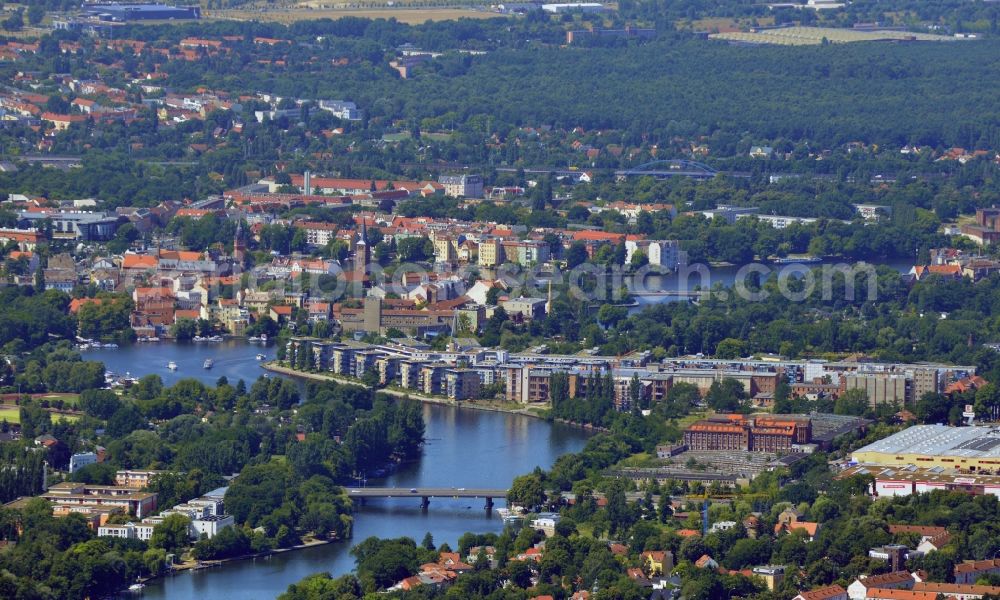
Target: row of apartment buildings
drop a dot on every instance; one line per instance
(527, 376)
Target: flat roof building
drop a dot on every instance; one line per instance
(972, 449)
(586, 7)
(140, 12)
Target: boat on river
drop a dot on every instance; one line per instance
(510, 515)
(172, 366)
(799, 260)
(209, 363)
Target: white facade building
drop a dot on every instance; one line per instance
(663, 253)
(341, 109)
(81, 460)
(468, 186)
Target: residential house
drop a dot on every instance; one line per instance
(895, 594)
(480, 290)
(528, 309)
(488, 551)
(137, 478)
(772, 575)
(810, 529)
(971, 571)
(896, 580)
(280, 313)
(931, 537)
(830, 592)
(466, 186)
(61, 273)
(956, 591)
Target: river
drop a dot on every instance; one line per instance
(705, 277)
(464, 448)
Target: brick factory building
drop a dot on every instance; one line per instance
(754, 433)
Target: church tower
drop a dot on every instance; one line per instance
(362, 254)
(239, 245)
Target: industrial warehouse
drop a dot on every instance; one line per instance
(969, 449)
(896, 481)
(925, 458)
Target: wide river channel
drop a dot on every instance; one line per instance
(464, 448)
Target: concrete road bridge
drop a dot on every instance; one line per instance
(426, 493)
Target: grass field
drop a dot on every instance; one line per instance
(402, 14)
(437, 137)
(69, 400)
(11, 415)
(396, 137)
(642, 459)
(691, 418)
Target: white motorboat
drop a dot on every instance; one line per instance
(208, 363)
(172, 366)
(260, 357)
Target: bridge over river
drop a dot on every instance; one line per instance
(426, 493)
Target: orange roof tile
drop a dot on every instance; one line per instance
(139, 261)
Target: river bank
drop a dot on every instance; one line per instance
(534, 412)
(199, 565)
(481, 448)
(462, 448)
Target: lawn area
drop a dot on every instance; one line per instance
(13, 415)
(691, 418)
(585, 529)
(396, 137)
(437, 137)
(642, 459)
(69, 400)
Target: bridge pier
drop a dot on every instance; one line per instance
(425, 501)
(489, 504)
